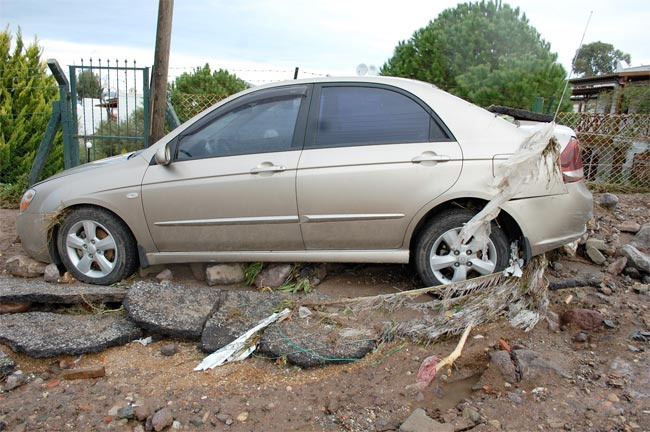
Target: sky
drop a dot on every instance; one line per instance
(253, 37)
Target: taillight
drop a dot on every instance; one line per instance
(571, 162)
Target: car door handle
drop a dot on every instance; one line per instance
(430, 157)
(267, 167)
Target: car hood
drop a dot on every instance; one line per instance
(89, 166)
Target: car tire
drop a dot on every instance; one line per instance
(437, 264)
(97, 247)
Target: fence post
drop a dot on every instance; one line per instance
(46, 143)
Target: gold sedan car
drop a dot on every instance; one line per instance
(383, 170)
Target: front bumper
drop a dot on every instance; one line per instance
(554, 220)
(34, 232)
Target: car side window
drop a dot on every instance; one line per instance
(350, 116)
(256, 127)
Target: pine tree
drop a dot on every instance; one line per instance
(26, 95)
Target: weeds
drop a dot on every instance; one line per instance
(251, 271)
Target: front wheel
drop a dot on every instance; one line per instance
(439, 262)
(96, 247)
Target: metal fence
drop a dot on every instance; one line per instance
(188, 105)
(615, 149)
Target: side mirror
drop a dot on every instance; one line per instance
(164, 155)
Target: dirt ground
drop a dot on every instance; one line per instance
(606, 388)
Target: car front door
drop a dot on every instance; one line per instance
(374, 155)
(231, 184)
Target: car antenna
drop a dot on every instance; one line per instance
(573, 64)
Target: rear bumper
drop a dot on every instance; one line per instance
(33, 230)
(552, 221)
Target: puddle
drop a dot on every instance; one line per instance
(445, 395)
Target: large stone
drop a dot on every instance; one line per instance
(532, 366)
(629, 226)
(273, 276)
(585, 319)
(238, 312)
(162, 419)
(172, 310)
(596, 244)
(37, 291)
(45, 334)
(51, 273)
(198, 271)
(617, 266)
(309, 343)
(225, 274)
(608, 201)
(419, 421)
(24, 266)
(636, 258)
(595, 255)
(502, 360)
(642, 238)
(6, 364)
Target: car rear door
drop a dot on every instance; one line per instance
(374, 155)
(231, 185)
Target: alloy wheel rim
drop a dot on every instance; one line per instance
(449, 264)
(91, 248)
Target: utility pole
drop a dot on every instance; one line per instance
(160, 69)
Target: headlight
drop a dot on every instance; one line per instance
(27, 199)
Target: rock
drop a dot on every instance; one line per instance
(51, 273)
(636, 258)
(238, 312)
(617, 266)
(273, 276)
(532, 366)
(629, 226)
(176, 425)
(557, 266)
(150, 270)
(165, 275)
(242, 417)
(494, 424)
(24, 266)
(15, 307)
(315, 273)
(471, 414)
(15, 380)
(613, 398)
(581, 337)
(85, 373)
(198, 271)
(319, 343)
(514, 397)
(46, 334)
(304, 312)
(595, 255)
(585, 319)
(646, 280)
(143, 410)
(169, 349)
(418, 421)
(6, 364)
(224, 274)
(125, 412)
(608, 201)
(162, 419)
(501, 359)
(38, 291)
(170, 309)
(596, 244)
(632, 272)
(642, 238)
(224, 418)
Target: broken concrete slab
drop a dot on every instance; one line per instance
(171, 309)
(45, 334)
(238, 312)
(309, 343)
(19, 290)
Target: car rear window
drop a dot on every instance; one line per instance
(367, 115)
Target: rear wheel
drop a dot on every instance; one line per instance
(440, 262)
(96, 247)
